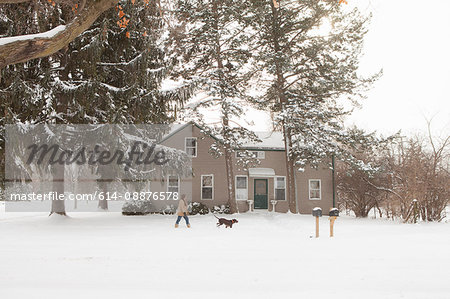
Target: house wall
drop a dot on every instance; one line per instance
(177, 141)
(205, 164)
(305, 204)
(274, 160)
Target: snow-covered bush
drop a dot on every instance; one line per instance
(168, 210)
(137, 207)
(223, 209)
(198, 208)
(16, 189)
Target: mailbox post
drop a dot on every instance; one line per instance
(317, 212)
(274, 203)
(250, 205)
(334, 213)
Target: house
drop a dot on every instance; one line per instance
(262, 187)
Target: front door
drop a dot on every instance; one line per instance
(260, 196)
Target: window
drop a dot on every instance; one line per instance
(280, 187)
(260, 154)
(255, 154)
(314, 190)
(190, 146)
(241, 187)
(207, 186)
(173, 183)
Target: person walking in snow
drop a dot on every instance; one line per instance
(182, 211)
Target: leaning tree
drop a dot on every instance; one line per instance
(308, 71)
(213, 51)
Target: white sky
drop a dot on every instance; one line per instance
(410, 40)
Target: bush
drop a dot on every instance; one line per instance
(198, 208)
(168, 210)
(5, 194)
(223, 209)
(136, 207)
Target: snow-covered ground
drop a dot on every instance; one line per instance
(107, 255)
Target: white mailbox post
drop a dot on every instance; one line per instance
(250, 205)
(274, 203)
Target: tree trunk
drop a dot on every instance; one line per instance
(103, 203)
(230, 182)
(280, 82)
(290, 171)
(228, 153)
(58, 206)
(229, 169)
(379, 211)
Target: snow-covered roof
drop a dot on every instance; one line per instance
(269, 140)
(174, 128)
(261, 172)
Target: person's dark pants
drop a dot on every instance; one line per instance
(185, 218)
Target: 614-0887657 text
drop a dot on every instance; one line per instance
(142, 195)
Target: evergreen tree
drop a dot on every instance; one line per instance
(111, 74)
(309, 71)
(213, 50)
(24, 88)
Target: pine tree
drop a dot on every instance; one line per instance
(309, 72)
(213, 53)
(115, 69)
(25, 92)
(111, 74)
(117, 66)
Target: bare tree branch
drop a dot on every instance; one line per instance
(383, 189)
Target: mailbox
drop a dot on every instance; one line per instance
(317, 212)
(334, 212)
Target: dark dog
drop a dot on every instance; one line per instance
(228, 223)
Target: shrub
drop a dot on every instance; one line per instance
(198, 208)
(16, 189)
(168, 210)
(223, 209)
(136, 207)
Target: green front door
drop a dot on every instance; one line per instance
(260, 196)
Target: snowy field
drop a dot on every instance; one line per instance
(107, 255)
